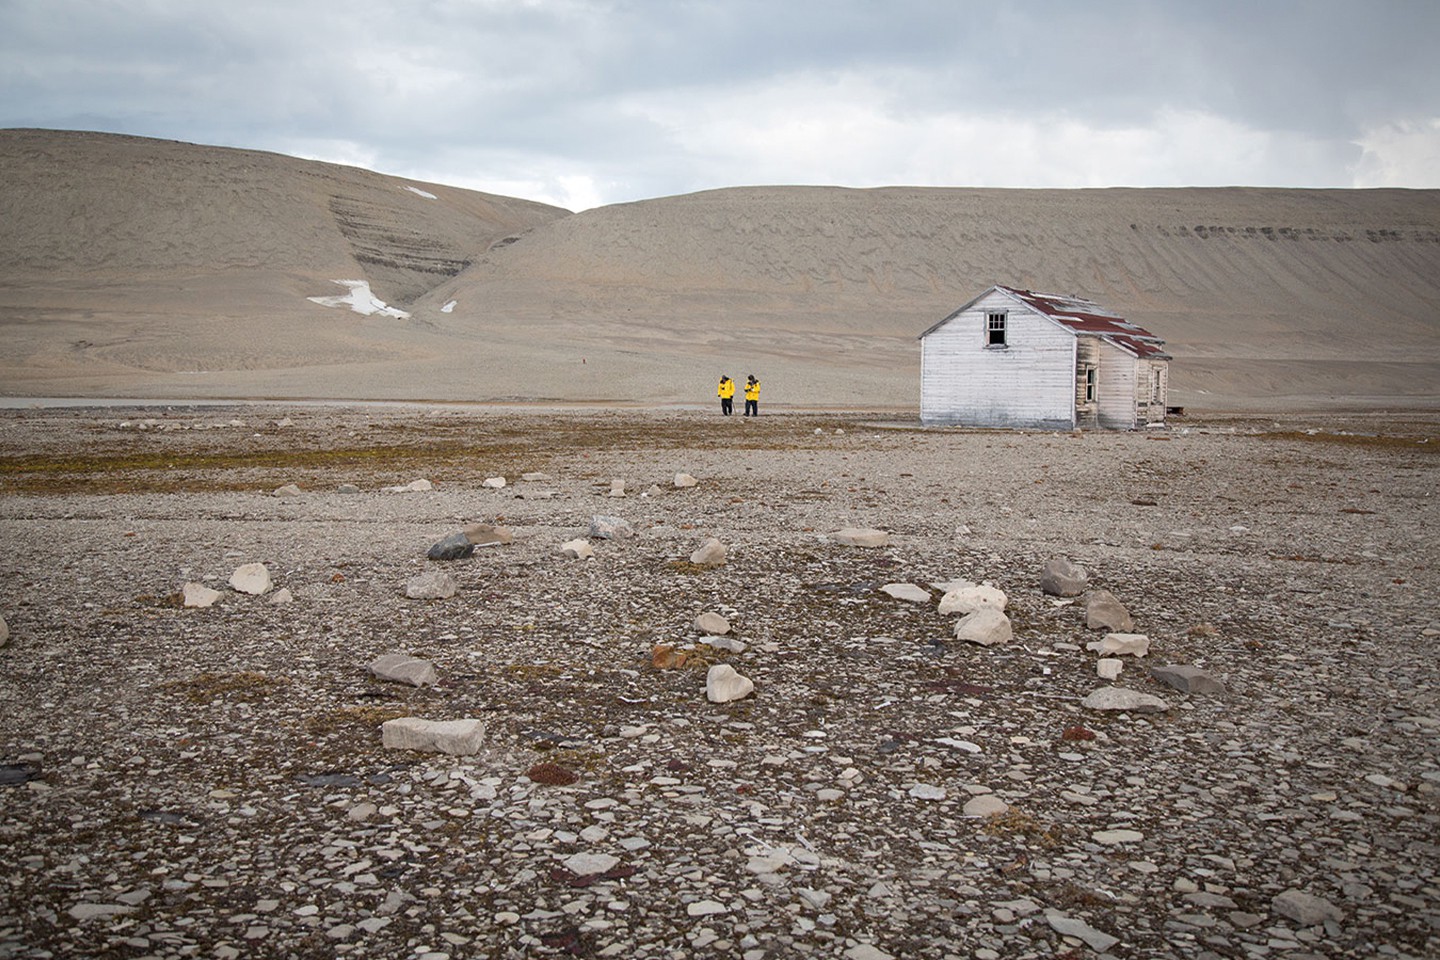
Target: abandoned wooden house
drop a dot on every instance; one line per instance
(1015, 358)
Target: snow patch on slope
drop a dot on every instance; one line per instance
(360, 299)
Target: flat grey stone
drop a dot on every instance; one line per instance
(908, 592)
(610, 528)
(1124, 699)
(1187, 679)
(1304, 908)
(862, 537)
(432, 585)
(403, 668)
(453, 737)
(1070, 927)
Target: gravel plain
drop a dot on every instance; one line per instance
(181, 782)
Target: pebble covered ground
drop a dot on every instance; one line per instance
(211, 782)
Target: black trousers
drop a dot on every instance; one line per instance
(727, 406)
(752, 408)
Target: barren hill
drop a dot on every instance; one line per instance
(141, 267)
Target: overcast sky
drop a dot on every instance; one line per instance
(588, 102)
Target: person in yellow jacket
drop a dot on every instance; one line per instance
(726, 393)
(752, 397)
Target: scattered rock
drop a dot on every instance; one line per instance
(965, 598)
(494, 483)
(724, 643)
(347, 488)
(867, 951)
(710, 554)
(588, 864)
(862, 537)
(251, 578)
(98, 911)
(578, 549)
(928, 791)
(1062, 578)
(1305, 909)
(1121, 644)
(617, 488)
(432, 585)
(723, 684)
(906, 591)
(985, 805)
(403, 668)
(289, 490)
(610, 528)
(712, 623)
(1123, 699)
(1104, 612)
(535, 476)
(1187, 679)
(199, 595)
(1070, 927)
(1115, 837)
(986, 626)
(454, 547)
(453, 737)
(283, 595)
(683, 480)
(1108, 668)
(5, 631)
(488, 535)
(414, 486)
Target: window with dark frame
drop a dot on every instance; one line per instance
(995, 330)
(1089, 384)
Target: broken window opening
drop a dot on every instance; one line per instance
(995, 330)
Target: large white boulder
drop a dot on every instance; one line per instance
(723, 684)
(968, 597)
(986, 626)
(251, 578)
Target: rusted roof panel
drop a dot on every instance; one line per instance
(1083, 316)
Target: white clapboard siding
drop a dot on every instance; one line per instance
(1119, 387)
(1030, 382)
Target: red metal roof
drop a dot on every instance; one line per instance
(1083, 316)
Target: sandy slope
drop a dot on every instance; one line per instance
(131, 266)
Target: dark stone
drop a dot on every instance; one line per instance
(457, 546)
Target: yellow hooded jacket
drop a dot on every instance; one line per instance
(726, 390)
(752, 390)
